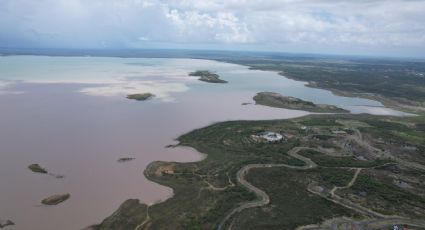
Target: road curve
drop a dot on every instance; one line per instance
(262, 197)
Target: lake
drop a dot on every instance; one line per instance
(71, 116)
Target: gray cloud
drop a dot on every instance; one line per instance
(382, 26)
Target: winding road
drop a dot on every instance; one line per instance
(263, 198)
(377, 220)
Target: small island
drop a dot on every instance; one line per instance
(140, 96)
(5, 223)
(279, 101)
(207, 76)
(56, 199)
(125, 159)
(37, 168)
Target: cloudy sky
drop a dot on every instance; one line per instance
(371, 27)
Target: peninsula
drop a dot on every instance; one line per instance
(279, 101)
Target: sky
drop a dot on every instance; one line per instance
(360, 27)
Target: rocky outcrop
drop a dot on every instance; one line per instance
(5, 223)
(56, 199)
(37, 168)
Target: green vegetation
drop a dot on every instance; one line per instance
(140, 96)
(206, 191)
(398, 83)
(280, 101)
(207, 76)
(389, 198)
(329, 161)
(321, 121)
(332, 176)
(128, 216)
(37, 168)
(229, 147)
(291, 204)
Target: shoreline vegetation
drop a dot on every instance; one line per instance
(396, 84)
(140, 96)
(129, 215)
(279, 101)
(207, 76)
(207, 191)
(344, 146)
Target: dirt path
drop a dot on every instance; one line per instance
(148, 218)
(352, 181)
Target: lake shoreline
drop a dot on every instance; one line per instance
(110, 122)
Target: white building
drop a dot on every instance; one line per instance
(269, 136)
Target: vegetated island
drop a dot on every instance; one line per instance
(207, 76)
(279, 101)
(140, 96)
(37, 168)
(56, 199)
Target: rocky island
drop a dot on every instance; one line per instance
(279, 101)
(140, 96)
(5, 223)
(37, 168)
(207, 76)
(56, 199)
(125, 159)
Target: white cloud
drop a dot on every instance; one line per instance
(135, 23)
